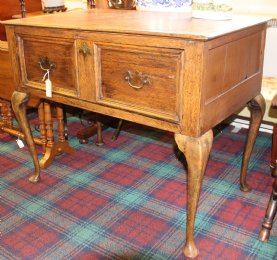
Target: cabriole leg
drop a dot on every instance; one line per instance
(257, 110)
(19, 103)
(196, 151)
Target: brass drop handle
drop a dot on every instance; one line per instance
(136, 79)
(46, 65)
(85, 50)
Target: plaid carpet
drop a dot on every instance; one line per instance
(127, 200)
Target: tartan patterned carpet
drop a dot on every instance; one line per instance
(127, 200)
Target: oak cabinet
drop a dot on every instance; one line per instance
(158, 69)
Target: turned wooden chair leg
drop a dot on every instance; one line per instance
(257, 110)
(273, 162)
(1, 106)
(42, 129)
(99, 141)
(47, 158)
(19, 103)
(272, 204)
(54, 148)
(4, 112)
(270, 214)
(196, 151)
(9, 115)
(60, 119)
(48, 125)
(2, 115)
(63, 144)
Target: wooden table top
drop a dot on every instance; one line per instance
(139, 22)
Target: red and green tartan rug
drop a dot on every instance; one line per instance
(127, 200)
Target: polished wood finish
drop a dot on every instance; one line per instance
(6, 76)
(159, 69)
(196, 151)
(7, 88)
(53, 148)
(257, 110)
(85, 133)
(19, 103)
(272, 204)
(41, 123)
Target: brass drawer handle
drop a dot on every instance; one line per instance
(136, 79)
(85, 50)
(46, 65)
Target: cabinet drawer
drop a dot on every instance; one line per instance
(144, 80)
(60, 53)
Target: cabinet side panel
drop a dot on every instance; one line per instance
(233, 77)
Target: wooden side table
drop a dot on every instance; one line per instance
(183, 76)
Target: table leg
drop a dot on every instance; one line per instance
(19, 102)
(54, 148)
(9, 115)
(270, 214)
(257, 110)
(272, 204)
(42, 129)
(117, 130)
(273, 161)
(4, 111)
(63, 144)
(196, 151)
(99, 141)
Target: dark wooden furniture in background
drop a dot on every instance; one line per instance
(272, 204)
(6, 82)
(158, 69)
(12, 7)
(102, 4)
(6, 90)
(7, 10)
(50, 148)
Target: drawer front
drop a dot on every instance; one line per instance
(39, 53)
(144, 80)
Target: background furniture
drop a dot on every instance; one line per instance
(50, 148)
(8, 9)
(174, 78)
(12, 7)
(272, 204)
